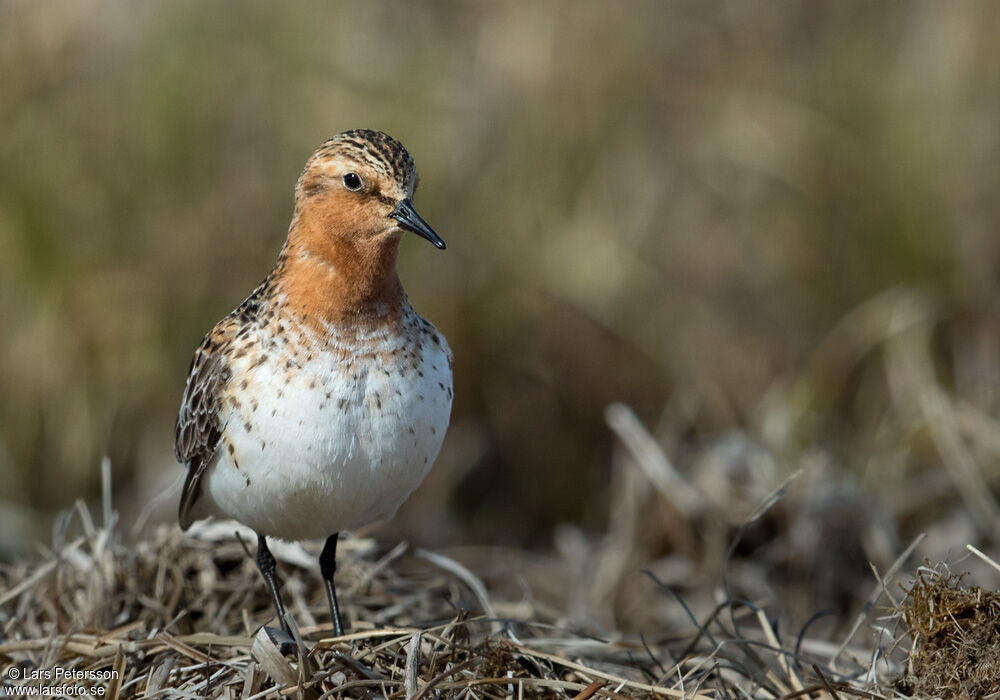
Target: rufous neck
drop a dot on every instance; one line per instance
(334, 278)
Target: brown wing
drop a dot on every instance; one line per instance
(199, 430)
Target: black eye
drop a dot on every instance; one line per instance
(352, 181)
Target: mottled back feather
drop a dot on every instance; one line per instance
(199, 428)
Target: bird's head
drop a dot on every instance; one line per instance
(358, 186)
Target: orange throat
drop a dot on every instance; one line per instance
(330, 279)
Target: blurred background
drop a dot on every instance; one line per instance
(694, 249)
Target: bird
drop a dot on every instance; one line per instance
(320, 403)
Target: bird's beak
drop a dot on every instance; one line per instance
(409, 219)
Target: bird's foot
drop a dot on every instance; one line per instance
(283, 640)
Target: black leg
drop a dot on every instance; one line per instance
(327, 567)
(269, 570)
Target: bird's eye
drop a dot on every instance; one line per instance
(352, 181)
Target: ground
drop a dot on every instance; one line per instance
(174, 615)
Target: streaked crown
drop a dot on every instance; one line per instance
(374, 149)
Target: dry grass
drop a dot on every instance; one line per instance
(731, 566)
(770, 232)
(955, 632)
(179, 616)
(711, 561)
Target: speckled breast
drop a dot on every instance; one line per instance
(330, 434)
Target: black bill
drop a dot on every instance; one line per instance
(409, 219)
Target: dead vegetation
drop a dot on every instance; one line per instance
(955, 632)
(803, 266)
(744, 564)
(179, 616)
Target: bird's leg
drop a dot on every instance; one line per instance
(327, 567)
(269, 570)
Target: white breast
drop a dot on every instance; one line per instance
(336, 439)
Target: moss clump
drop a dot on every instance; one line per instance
(956, 639)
